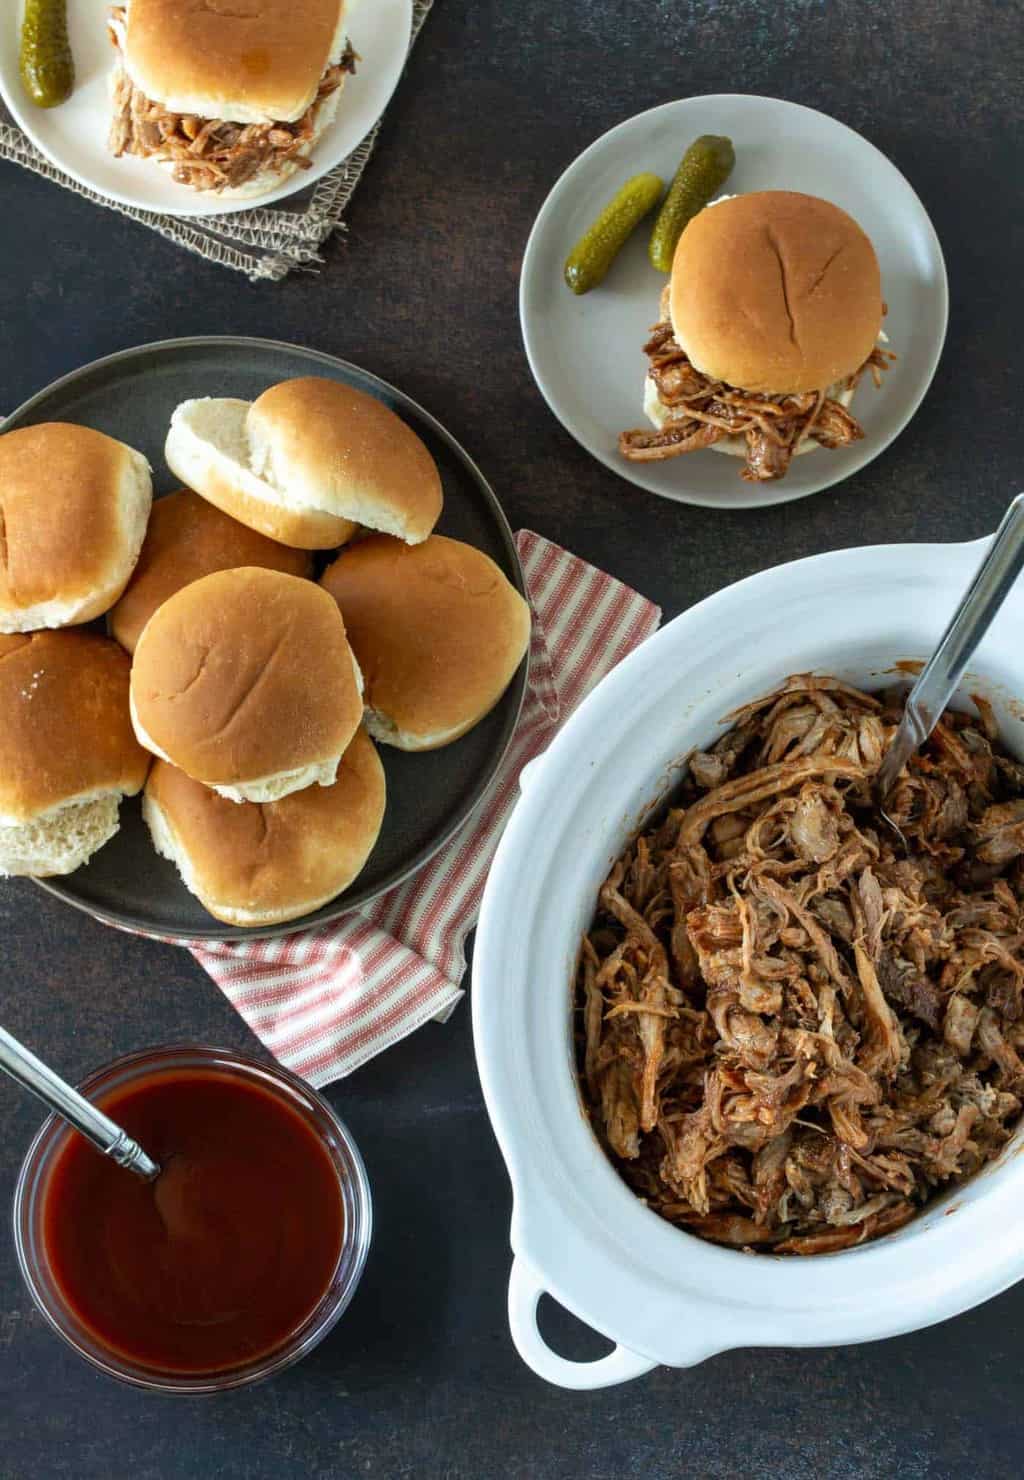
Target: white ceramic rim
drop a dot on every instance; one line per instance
(336, 144)
(716, 1298)
(745, 496)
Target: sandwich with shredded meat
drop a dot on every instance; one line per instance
(792, 1034)
(771, 318)
(231, 98)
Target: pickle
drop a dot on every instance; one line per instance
(702, 172)
(46, 64)
(596, 250)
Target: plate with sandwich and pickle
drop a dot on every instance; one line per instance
(200, 109)
(263, 638)
(733, 274)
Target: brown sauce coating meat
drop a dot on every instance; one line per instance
(773, 426)
(790, 1035)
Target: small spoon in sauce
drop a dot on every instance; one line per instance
(945, 668)
(32, 1074)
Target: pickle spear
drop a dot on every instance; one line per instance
(702, 172)
(596, 250)
(45, 61)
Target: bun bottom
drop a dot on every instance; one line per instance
(663, 416)
(386, 732)
(60, 841)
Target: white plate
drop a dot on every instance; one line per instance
(74, 135)
(586, 353)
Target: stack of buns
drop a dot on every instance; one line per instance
(74, 504)
(251, 690)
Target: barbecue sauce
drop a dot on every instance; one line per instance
(221, 1259)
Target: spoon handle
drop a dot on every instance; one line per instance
(30, 1072)
(972, 619)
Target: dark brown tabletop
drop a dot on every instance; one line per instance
(421, 1379)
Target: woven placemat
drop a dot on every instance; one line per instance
(266, 244)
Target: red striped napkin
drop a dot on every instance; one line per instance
(324, 1001)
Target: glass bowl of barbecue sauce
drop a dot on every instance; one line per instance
(235, 1262)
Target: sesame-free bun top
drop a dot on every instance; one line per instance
(245, 681)
(189, 538)
(343, 451)
(245, 61)
(438, 632)
(776, 292)
(65, 731)
(73, 510)
(262, 864)
(306, 462)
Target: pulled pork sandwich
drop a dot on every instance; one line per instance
(791, 1034)
(772, 315)
(229, 98)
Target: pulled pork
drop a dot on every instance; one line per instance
(704, 411)
(790, 1034)
(210, 153)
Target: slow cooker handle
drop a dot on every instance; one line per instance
(524, 1292)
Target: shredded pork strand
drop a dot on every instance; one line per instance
(703, 411)
(791, 1035)
(209, 153)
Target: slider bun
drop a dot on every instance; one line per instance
(188, 538)
(324, 451)
(252, 62)
(67, 752)
(245, 681)
(261, 865)
(776, 292)
(437, 630)
(339, 449)
(208, 448)
(73, 512)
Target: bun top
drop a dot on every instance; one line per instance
(258, 863)
(437, 630)
(244, 675)
(69, 501)
(189, 538)
(65, 731)
(245, 61)
(776, 292)
(337, 449)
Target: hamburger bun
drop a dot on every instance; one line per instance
(776, 292)
(437, 630)
(263, 864)
(67, 752)
(256, 62)
(245, 681)
(309, 459)
(73, 510)
(189, 538)
(207, 448)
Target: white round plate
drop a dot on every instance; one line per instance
(586, 352)
(73, 136)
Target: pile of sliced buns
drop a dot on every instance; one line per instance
(236, 690)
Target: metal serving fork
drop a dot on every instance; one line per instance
(944, 670)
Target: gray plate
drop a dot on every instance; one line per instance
(585, 353)
(131, 396)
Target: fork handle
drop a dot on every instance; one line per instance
(972, 619)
